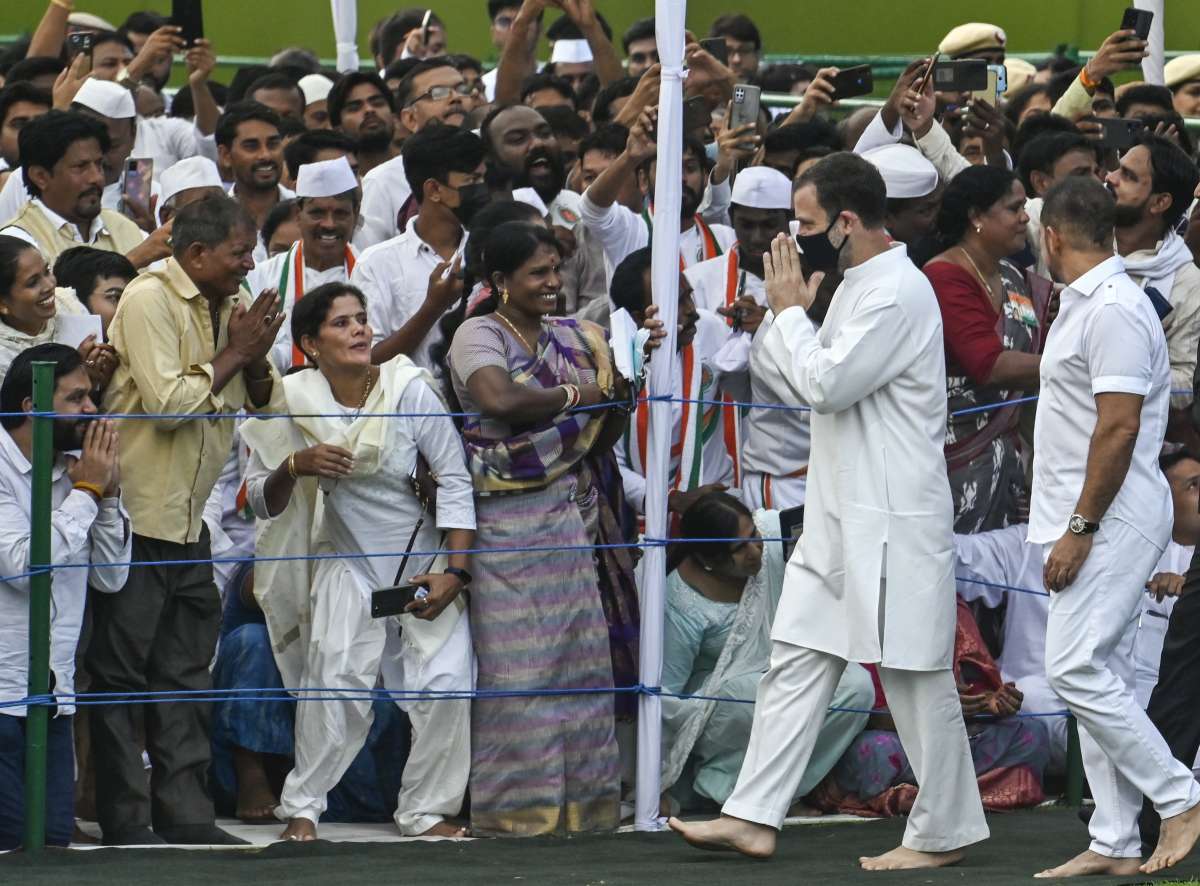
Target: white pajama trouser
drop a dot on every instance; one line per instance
(789, 709)
(772, 491)
(1090, 665)
(348, 651)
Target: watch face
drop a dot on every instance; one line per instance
(1077, 525)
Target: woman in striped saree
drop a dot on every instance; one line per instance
(544, 477)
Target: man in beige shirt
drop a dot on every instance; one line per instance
(188, 346)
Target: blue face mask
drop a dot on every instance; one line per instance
(711, 152)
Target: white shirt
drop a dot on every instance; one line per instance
(878, 500)
(395, 278)
(1106, 339)
(59, 223)
(385, 190)
(371, 231)
(81, 531)
(167, 140)
(13, 196)
(1152, 623)
(622, 231)
(260, 250)
(774, 441)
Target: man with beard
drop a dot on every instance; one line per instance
(62, 160)
(361, 106)
(621, 231)
(137, 29)
(328, 195)
(412, 280)
(523, 152)
(188, 345)
(88, 524)
(1153, 186)
(433, 91)
(249, 144)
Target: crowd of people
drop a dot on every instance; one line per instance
(440, 273)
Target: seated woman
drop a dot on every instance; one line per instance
(252, 741)
(720, 603)
(874, 776)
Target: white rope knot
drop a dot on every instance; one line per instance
(673, 73)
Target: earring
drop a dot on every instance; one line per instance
(978, 229)
(316, 354)
(504, 296)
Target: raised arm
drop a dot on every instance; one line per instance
(519, 58)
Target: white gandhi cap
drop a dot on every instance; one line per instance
(570, 52)
(315, 87)
(762, 187)
(328, 178)
(905, 171)
(194, 172)
(106, 98)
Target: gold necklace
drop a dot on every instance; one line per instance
(366, 390)
(516, 332)
(982, 279)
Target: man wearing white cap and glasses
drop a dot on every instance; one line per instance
(731, 285)
(329, 203)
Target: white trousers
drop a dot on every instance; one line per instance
(789, 709)
(351, 650)
(772, 491)
(1090, 665)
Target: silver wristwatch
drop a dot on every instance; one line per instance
(1080, 525)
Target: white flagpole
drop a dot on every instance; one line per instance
(669, 31)
(1152, 65)
(345, 34)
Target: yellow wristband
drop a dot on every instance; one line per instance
(93, 488)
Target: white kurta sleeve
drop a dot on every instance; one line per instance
(111, 542)
(994, 556)
(865, 354)
(366, 277)
(876, 135)
(940, 151)
(257, 474)
(633, 482)
(439, 441)
(70, 525)
(619, 230)
(714, 208)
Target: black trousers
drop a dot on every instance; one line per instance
(157, 634)
(1175, 703)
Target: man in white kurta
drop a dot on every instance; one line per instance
(872, 579)
(1102, 510)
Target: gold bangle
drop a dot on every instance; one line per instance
(93, 488)
(292, 467)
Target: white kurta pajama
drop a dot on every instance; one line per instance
(872, 578)
(1107, 339)
(340, 645)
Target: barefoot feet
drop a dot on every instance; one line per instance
(1091, 863)
(904, 859)
(727, 834)
(446, 829)
(1175, 840)
(301, 830)
(802, 810)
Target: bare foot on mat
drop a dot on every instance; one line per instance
(1175, 840)
(300, 830)
(727, 834)
(904, 859)
(1089, 863)
(446, 829)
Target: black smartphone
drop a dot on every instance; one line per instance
(188, 15)
(1120, 133)
(715, 46)
(853, 82)
(960, 75)
(1137, 20)
(391, 601)
(696, 114)
(80, 42)
(791, 527)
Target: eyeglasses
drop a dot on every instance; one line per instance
(441, 93)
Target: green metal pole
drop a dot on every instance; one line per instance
(39, 611)
(1074, 764)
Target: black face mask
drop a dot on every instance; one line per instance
(471, 199)
(819, 253)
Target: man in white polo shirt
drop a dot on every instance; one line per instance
(1101, 508)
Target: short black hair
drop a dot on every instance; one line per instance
(602, 106)
(45, 140)
(464, 62)
(798, 136)
(341, 91)
(404, 91)
(18, 381)
(436, 151)
(399, 26)
(782, 76)
(1036, 126)
(305, 147)
(845, 182)
(242, 112)
(209, 222)
(1040, 154)
(539, 81)
(564, 121)
(101, 37)
(495, 7)
(81, 266)
(275, 80)
(1083, 206)
(143, 22)
(641, 29)
(1145, 94)
(628, 289)
(1019, 101)
(562, 28)
(1172, 118)
(183, 105)
(399, 69)
(738, 26)
(608, 138)
(22, 92)
(281, 213)
(12, 53)
(243, 77)
(1172, 172)
(1172, 457)
(34, 66)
